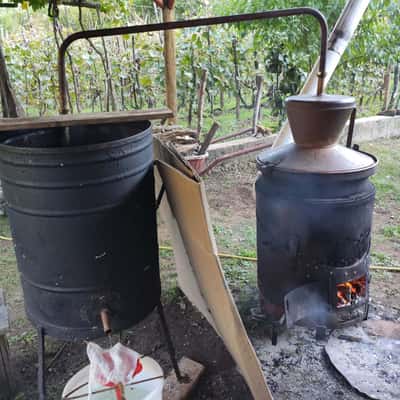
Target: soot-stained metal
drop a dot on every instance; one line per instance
(314, 216)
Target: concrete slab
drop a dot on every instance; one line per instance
(175, 390)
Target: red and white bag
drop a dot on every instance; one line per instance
(112, 367)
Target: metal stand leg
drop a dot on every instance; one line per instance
(41, 365)
(274, 333)
(170, 345)
(320, 332)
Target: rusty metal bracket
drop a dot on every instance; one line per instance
(191, 24)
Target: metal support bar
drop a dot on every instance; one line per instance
(166, 26)
(170, 345)
(160, 196)
(41, 365)
(350, 134)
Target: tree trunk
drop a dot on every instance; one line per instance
(236, 74)
(237, 107)
(9, 102)
(108, 71)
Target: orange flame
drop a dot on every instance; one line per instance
(348, 293)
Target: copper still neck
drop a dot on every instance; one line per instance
(318, 121)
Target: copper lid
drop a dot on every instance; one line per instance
(335, 159)
(317, 121)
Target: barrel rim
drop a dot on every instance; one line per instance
(78, 149)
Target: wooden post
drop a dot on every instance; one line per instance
(209, 137)
(396, 82)
(257, 103)
(200, 108)
(236, 75)
(170, 63)
(6, 387)
(386, 87)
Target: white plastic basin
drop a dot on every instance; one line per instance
(150, 390)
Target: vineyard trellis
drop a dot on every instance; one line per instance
(128, 72)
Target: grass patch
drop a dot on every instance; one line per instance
(239, 273)
(238, 241)
(391, 231)
(25, 338)
(9, 278)
(387, 177)
(5, 227)
(382, 259)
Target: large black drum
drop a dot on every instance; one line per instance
(81, 206)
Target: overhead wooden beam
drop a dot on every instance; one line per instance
(8, 5)
(13, 124)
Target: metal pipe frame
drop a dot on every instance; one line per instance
(235, 154)
(166, 26)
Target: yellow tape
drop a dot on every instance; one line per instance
(5, 238)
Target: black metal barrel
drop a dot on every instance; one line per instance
(309, 227)
(81, 207)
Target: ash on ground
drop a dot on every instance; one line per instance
(298, 367)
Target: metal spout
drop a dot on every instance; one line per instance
(318, 121)
(106, 321)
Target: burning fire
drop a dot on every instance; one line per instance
(348, 293)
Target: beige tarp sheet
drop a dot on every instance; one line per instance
(186, 213)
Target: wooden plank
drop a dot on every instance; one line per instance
(4, 324)
(5, 369)
(6, 387)
(203, 279)
(12, 124)
(175, 390)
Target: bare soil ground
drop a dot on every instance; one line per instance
(296, 369)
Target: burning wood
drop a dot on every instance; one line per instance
(349, 293)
